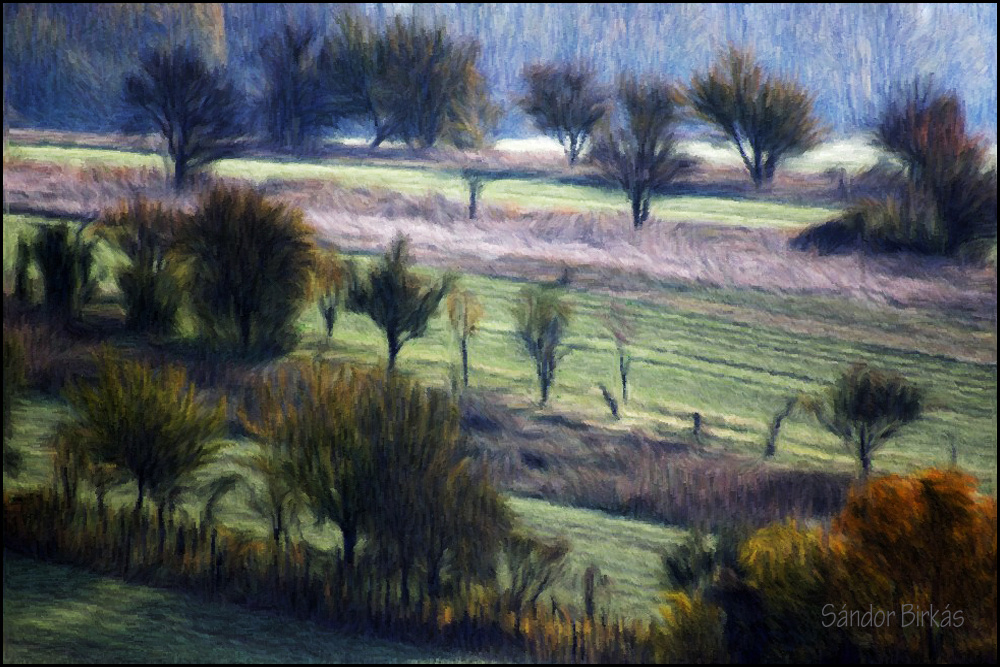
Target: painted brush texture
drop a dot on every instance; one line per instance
(619, 333)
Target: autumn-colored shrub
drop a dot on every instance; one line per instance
(246, 263)
(907, 573)
(926, 546)
(148, 423)
(144, 231)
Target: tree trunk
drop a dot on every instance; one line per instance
(161, 528)
(636, 211)
(772, 439)
(180, 169)
(350, 537)
(472, 202)
(864, 455)
(465, 360)
(245, 326)
(758, 171)
(394, 347)
(624, 373)
(434, 580)
(138, 500)
(404, 585)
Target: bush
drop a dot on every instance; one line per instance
(13, 383)
(766, 117)
(195, 108)
(432, 513)
(329, 282)
(464, 313)
(541, 319)
(926, 129)
(147, 422)
(866, 407)
(927, 541)
(397, 300)
(305, 420)
(565, 102)
(144, 231)
(920, 544)
(66, 262)
(247, 263)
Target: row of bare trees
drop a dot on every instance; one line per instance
(767, 118)
(409, 82)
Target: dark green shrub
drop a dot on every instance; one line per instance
(639, 153)
(768, 118)
(247, 264)
(866, 407)
(13, 383)
(66, 262)
(144, 232)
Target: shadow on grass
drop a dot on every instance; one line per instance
(54, 613)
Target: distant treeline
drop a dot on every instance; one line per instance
(64, 63)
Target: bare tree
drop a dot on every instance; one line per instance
(565, 102)
(638, 150)
(296, 104)
(766, 117)
(194, 107)
(541, 318)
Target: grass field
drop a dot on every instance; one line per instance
(733, 355)
(57, 614)
(523, 193)
(687, 360)
(628, 551)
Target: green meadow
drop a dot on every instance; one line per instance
(523, 193)
(694, 350)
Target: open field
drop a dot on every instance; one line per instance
(57, 614)
(689, 356)
(524, 193)
(729, 323)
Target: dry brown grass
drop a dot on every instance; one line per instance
(637, 474)
(75, 191)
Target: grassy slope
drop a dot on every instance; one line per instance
(58, 614)
(688, 360)
(519, 192)
(627, 551)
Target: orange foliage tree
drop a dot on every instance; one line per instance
(907, 573)
(926, 548)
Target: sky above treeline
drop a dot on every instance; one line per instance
(64, 64)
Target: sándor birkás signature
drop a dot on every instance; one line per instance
(909, 616)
